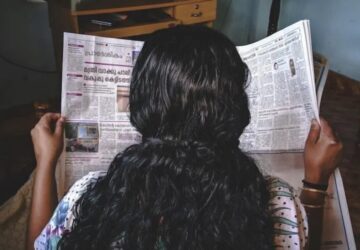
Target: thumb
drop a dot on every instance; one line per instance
(314, 132)
(59, 129)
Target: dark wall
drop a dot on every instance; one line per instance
(25, 39)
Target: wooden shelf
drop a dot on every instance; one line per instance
(133, 30)
(71, 15)
(127, 5)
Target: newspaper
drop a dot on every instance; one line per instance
(321, 70)
(282, 95)
(95, 95)
(282, 101)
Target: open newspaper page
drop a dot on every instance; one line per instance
(95, 95)
(282, 98)
(283, 101)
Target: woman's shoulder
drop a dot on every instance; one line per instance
(63, 216)
(81, 185)
(288, 215)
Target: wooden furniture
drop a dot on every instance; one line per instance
(143, 17)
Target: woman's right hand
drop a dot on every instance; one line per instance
(322, 153)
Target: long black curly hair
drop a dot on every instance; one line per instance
(187, 185)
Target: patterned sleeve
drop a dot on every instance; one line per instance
(63, 216)
(288, 215)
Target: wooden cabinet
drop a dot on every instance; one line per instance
(196, 12)
(142, 17)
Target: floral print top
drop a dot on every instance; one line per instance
(289, 218)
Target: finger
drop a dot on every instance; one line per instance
(48, 118)
(327, 130)
(340, 153)
(336, 136)
(314, 132)
(32, 133)
(59, 128)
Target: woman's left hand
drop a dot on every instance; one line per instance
(47, 137)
